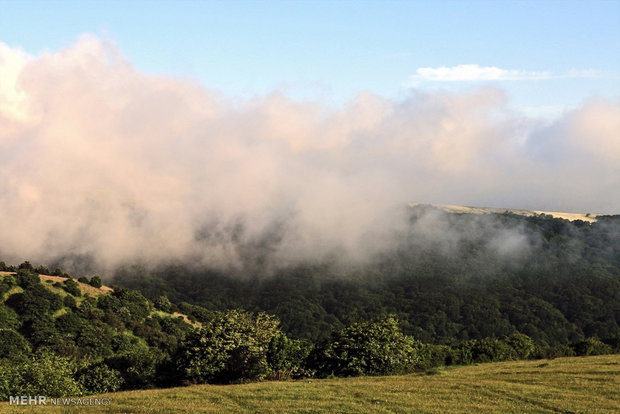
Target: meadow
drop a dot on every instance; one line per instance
(567, 385)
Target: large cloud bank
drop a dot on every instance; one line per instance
(100, 159)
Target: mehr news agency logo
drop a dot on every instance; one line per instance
(43, 400)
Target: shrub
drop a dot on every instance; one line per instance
(493, 350)
(6, 283)
(42, 374)
(163, 304)
(522, 344)
(95, 281)
(229, 348)
(26, 278)
(591, 346)
(12, 344)
(72, 287)
(369, 348)
(137, 365)
(286, 356)
(70, 302)
(99, 379)
(8, 318)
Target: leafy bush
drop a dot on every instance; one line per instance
(591, 346)
(43, 374)
(163, 303)
(522, 344)
(72, 287)
(12, 344)
(8, 318)
(229, 348)
(432, 356)
(6, 283)
(369, 348)
(493, 350)
(137, 365)
(26, 278)
(95, 281)
(286, 356)
(99, 379)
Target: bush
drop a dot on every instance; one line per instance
(8, 318)
(26, 278)
(551, 352)
(432, 356)
(493, 350)
(12, 344)
(70, 302)
(99, 379)
(43, 374)
(229, 348)
(137, 365)
(522, 344)
(591, 346)
(72, 287)
(369, 348)
(163, 304)
(95, 281)
(286, 356)
(6, 283)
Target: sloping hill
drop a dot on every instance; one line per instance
(566, 385)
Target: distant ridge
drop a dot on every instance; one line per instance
(591, 218)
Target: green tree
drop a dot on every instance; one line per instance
(287, 356)
(42, 374)
(95, 281)
(229, 348)
(12, 344)
(369, 348)
(99, 378)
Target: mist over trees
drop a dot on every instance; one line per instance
(452, 289)
(447, 276)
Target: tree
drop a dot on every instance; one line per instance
(42, 374)
(99, 378)
(95, 281)
(286, 356)
(12, 344)
(522, 344)
(369, 348)
(229, 348)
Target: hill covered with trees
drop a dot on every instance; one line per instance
(449, 277)
(495, 288)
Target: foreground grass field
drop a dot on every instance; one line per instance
(566, 385)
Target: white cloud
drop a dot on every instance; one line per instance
(477, 73)
(109, 161)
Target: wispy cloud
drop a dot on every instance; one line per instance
(477, 73)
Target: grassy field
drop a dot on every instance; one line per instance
(566, 385)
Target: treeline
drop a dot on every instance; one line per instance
(58, 340)
(451, 277)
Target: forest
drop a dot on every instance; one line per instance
(502, 287)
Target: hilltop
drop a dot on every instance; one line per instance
(588, 217)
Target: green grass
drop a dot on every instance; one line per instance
(566, 385)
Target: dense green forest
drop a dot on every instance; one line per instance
(468, 277)
(502, 287)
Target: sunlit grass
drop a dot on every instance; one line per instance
(587, 384)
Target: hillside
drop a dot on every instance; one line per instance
(449, 276)
(587, 384)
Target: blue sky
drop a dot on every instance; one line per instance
(547, 55)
